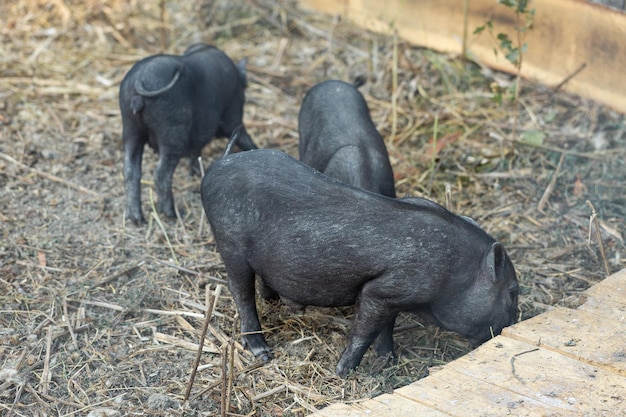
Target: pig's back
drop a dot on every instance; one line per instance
(252, 189)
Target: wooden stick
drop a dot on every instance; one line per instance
(569, 77)
(156, 217)
(205, 327)
(51, 177)
(550, 187)
(203, 213)
(394, 87)
(594, 219)
(45, 374)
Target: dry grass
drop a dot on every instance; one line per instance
(96, 317)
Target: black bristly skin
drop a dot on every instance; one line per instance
(338, 138)
(177, 104)
(316, 241)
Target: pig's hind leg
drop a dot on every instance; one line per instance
(241, 284)
(134, 139)
(163, 175)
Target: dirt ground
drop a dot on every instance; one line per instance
(102, 318)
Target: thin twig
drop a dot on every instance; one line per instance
(231, 363)
(192, 272)
(513, 363)
(51, 177)
(594, 219)
(156, 217)
(394, 87)
(224, 391)
(69, 324)
(550, 187)
(569, 77)
(45, 374)
(127, 271)
(205, 327)
(203, 214)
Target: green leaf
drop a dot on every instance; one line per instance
(479, 29)
(534, 137)
(513, 56)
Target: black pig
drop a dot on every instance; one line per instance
(316, 241)
(338, 138)
(177, 104)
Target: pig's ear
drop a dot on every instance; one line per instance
(241, 67)
(494, 262)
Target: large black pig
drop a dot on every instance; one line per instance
(316, 241)
(338, 138)
(177, 104)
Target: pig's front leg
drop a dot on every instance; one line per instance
(241, 285)
(372, 317)
(163, 175)
(383, 345)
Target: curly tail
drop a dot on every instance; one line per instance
(153, 93)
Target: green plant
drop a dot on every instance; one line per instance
(513, 50)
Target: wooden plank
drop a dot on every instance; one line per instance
(339, 410)
(460, 395)
(608, 297)
(505, 376)
(582, 335)
(567, 34)
(389, 405)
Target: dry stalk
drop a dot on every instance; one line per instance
(157, 219)
(192, 272)
(51, 177)
(126, 271)
(45, 374)
(231, 361)
(202, 213)
(550, 187)
(68, 323)
(570, 76)
(394, 87)
(205, 326)
(594, 223)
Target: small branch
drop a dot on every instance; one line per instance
(209, 311)
(550, 187)
(513, 363)
(569, 77)
(127, 271)
(51, 177)
(594, 219)
(192, 272)
(394, 87)
(45, 374)
(156, 217)
(202, 211)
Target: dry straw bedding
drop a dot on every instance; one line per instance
(102, 318)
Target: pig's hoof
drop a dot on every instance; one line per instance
(266, 357)
(137, 221)
(343, 372)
